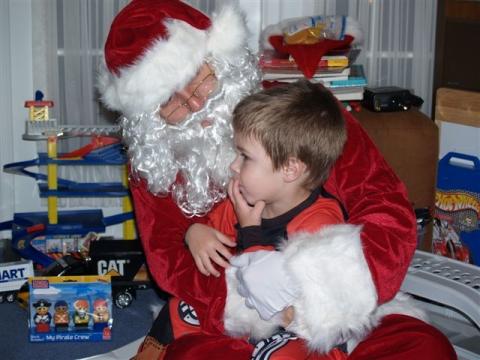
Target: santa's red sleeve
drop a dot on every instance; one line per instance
(162, 226)
(376, 199)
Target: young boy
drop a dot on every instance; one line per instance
(287, 138)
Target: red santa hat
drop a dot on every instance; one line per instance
(155, 47)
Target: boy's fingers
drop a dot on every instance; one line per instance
(238, 195)
(225, 240)
(258, 208)
(230, 192)
(236, 188)
(217, 259)
(209, 267)
(222, 250)
(200, 267)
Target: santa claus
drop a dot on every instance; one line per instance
(176, 75)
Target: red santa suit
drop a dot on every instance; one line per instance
(354, 272)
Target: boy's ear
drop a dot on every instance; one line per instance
(293, 169)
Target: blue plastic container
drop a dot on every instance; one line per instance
(457, 205)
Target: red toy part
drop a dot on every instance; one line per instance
(43, 328)
(107, 333)
(38, 103)
(355, 105)
(451, 250)
(96, 143)
(35, 228)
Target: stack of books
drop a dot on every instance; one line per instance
(350, 89)
(336, 71)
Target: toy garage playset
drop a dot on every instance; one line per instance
(70, 242)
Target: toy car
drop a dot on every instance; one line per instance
(122, 259)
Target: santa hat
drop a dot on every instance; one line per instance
(155, 47)
(307, 57)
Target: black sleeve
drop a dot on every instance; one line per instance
(248, 236)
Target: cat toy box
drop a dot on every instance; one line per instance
(456, 231)
(70, 308)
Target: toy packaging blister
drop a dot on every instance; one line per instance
(456, 232)
(70, 308)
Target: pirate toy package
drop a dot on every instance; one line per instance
(456, 231)
(70, 308)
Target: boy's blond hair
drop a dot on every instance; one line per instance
(301, 120)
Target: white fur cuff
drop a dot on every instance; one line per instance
(338, 293)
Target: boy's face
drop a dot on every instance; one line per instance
(258, 181)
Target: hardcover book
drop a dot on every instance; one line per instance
(325, 74)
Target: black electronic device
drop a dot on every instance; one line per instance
(389, 98)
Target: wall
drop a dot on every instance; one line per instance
(16, 192)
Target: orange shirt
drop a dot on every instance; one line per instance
(323, 211)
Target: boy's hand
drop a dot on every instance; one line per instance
(206, 245)
(246, 215)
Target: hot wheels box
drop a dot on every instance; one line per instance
(70, 308)
(456, 232)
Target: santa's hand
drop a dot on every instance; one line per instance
(264, 282)
(247, 215)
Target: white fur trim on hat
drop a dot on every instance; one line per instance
(170, 64)
(228, 34)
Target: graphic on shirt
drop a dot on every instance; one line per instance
(265, 348)
(187, 314)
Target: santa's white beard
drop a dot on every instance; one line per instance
(188, 160)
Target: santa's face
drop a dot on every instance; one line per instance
(191, 98)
